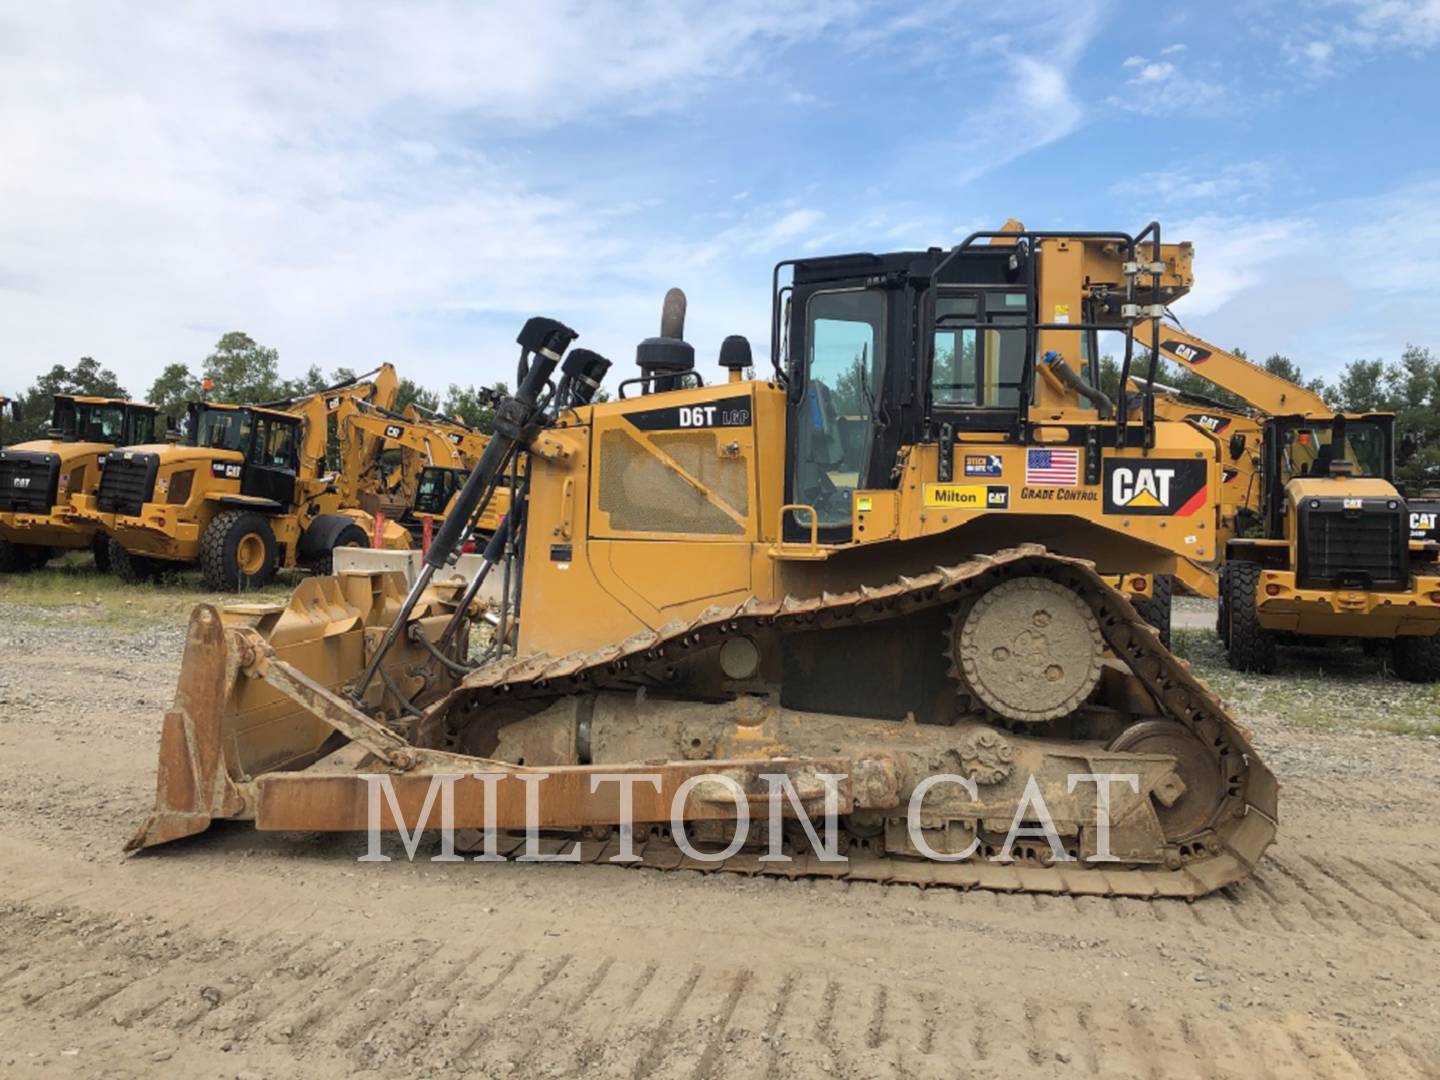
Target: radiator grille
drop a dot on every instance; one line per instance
(642, 493)
(127, 482)
(28, 481)
(1365, 546)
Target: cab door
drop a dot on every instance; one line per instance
(833, 406)
(272, 463)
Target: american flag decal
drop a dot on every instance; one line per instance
(1052, 468)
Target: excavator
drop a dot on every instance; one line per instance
(247, 492)
(437, 454)
(1336, 557)
(871, 584)
(42, 480)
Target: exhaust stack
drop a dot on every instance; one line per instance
(665, 360)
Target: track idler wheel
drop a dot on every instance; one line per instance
(1030, 649)
(1188, 808)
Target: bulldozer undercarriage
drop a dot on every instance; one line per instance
(1046, 674)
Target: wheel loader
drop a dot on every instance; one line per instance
(41, 480)
(1335, 558)
(868, 588)
(246, 492)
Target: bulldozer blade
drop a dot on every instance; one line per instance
(192, 788)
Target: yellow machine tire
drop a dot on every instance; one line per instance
(1156, 608)
(1248, 645)
(1417, 659)
(238, 551)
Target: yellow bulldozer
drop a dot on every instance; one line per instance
(41, 480)
(869, 588)
(1332, 550)
(246, 492)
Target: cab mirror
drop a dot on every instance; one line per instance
(16, 413)
(1237, 445)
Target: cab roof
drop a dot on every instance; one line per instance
(228, 406)
(89, 399)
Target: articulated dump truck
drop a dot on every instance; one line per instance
(874, 588)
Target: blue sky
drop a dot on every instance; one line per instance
(355, 183)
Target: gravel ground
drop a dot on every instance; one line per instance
(246, 954)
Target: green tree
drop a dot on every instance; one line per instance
(85, 377)
(242, 370)
(412, 393)
(474, 406)
(1361, 386)
(176, 387)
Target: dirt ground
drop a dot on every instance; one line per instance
(239, 954)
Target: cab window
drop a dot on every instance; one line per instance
(100, 423)
(978, 350)
(843, 375)
(1310, 450)
(140, 428)
(223, 429)
(274, 443)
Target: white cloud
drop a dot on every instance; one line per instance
(1340, 280)
(330, 180)
(1337, 33)
(1160, 87)
(1185, 186)
(356, 184)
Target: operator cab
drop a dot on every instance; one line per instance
(1357, 538)
(883, 351)
(269, 442)
(102, 420)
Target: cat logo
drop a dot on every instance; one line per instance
(1354, 502)
(1213, 424)
(1143, 487)
(1155, 487)
(1422, 524)
(20, 482)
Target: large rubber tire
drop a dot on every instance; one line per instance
(133, 569)
(1155, 609)
(350, 536)
(100, 548)
(1248, 645)
(1417, 659)
(237, 551)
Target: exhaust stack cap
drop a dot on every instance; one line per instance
(735, 353)
(664, 359)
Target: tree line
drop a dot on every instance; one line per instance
(238, 370)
